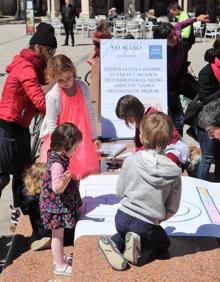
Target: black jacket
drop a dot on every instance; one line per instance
(208, 85)
(30, 207)
(68, 13)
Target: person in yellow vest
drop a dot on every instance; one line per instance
(187, 32)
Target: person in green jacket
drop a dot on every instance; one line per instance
(187, 32)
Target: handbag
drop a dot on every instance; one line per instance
(192, 111)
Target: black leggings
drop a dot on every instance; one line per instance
(15, 156)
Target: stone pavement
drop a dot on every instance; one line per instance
(190, 259)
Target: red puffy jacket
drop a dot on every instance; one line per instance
(22, 94)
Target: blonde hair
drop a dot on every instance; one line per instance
(33, 178)
(156, 131)
(59, 65)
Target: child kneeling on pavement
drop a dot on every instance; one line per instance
(30, 194)
(149, 187)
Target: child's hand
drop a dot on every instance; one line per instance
(61, 186)
(66, 177)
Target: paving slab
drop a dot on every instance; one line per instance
(190, 259)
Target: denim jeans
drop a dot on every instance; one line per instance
(176, 111)
(153, 238)
(209, 154)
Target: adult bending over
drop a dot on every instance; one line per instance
(210, 119)
(177, 67)
(209, 90)
(22, 96)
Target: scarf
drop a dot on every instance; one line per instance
(216, 68)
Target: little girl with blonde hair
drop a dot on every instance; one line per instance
(30, 193)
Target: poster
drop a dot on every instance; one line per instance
(30, 28)
(131, 67)
(198, 213)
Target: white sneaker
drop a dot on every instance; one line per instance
(132, 247)
(67, 259)
(42, 244)
(112, 254)
(65, 271)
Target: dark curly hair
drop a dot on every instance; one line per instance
(163, 30)
(65, 136)
(213, 52)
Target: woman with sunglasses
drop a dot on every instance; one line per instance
(22, 97)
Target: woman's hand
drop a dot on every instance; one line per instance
(203, 18)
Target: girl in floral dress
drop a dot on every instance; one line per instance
(60, 198)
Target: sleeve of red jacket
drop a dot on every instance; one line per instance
(29, 80)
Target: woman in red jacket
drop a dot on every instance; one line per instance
(22, 96)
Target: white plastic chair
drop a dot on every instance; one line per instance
(149, 29)
(91, 26)
(80, 25)
(198, 28)
(45, 20)
(101, 17)
(56, 23)
(119, 28)
(133, 27)
(212, 30)
(163, 19)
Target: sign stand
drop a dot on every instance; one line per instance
(30, 27)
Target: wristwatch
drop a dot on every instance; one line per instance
(194, 19)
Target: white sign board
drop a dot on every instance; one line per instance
(131, 67)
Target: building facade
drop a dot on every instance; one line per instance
(84, 7)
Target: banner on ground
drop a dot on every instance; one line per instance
(198, 214)
(131, 67)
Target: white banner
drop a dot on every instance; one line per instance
(198, 214)
(131, 67)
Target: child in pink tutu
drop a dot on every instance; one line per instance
(69, 101)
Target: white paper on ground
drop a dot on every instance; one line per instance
(198, 215)
(112, 149)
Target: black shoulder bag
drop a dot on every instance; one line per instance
(191, 113)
